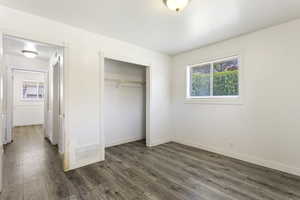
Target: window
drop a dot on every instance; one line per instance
(32, 90)
(219, 78)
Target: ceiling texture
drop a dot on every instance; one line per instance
(148, 23)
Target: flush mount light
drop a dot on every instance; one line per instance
(30, 54)
(176, 5)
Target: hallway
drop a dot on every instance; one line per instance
(31, 166)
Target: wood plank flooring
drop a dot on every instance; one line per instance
(133, 172)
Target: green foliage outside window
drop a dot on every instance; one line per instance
(224, 84)
(200, 84)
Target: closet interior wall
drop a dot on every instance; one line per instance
(124, 102)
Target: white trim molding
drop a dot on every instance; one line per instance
(86, 155)
(159, 141)
(124, 141)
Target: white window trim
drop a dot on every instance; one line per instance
(37, 86)
(215, 99)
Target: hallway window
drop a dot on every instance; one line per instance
(32, 90)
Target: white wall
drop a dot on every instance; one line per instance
(124, 105)
(265, 128)
(83, 76)
(20, 61)
(27, 112)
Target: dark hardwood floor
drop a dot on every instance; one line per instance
(167, 172)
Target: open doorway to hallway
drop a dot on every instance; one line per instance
(27, 90)
(33, 103)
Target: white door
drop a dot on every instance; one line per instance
(46, 105)
(58, 114)
(8, 103)
(55, 100)
(2, 115)
(61, 106)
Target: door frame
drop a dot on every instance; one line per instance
(2, 109)
(148, 66)
(64, 84)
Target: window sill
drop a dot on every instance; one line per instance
(232, 100)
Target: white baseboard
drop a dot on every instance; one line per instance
(159, 141)
(28, 124)
(93, 153)
(247, 158)
(85, 163)
(90, 154)
(123, 141)
(87, 155)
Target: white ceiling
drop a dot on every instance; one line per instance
(13, 45)
(150, 24)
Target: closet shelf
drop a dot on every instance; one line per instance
(120, 81)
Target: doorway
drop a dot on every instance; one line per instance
(39, 81)
(25, 99)
(32, 103)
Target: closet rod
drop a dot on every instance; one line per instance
(124, 81)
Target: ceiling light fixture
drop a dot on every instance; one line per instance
(176, 5)
(30, 54)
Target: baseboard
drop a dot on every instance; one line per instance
(87, 155)
(90, 154)
(84, 163)
(247, 158)
(159, 141)
(124, 141)
(27, 125)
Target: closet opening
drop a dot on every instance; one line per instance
(125, 102)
